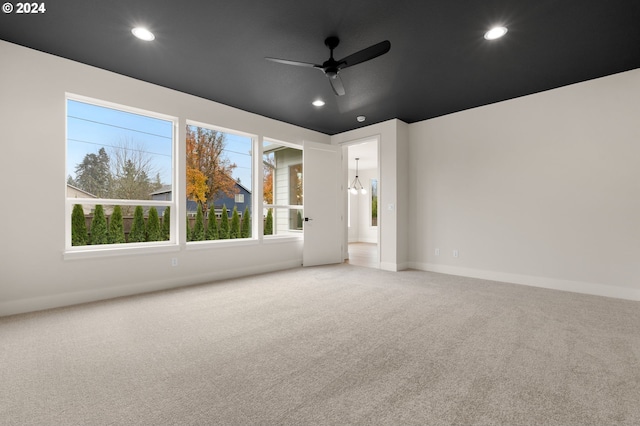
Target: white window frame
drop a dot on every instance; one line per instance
(74, 252)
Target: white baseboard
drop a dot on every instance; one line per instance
(388, 266)
(363, 240)
(74, 298)
(533, 281)
(395, 267)
(368, 240)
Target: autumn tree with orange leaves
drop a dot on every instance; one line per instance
(209, 171)
(197, 188)
(269, 163)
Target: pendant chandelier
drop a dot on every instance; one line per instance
(356, 185)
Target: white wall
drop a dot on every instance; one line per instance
(541, 190)
(403, 228)
(33, 274)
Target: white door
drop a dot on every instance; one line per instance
(322, 204)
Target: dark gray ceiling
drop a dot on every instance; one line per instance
(439, 61)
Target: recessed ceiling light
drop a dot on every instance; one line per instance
(318, 103)
(361, 118)
(143, 33)
(495, 32)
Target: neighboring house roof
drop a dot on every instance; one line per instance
(75, 188)
(242, 186)
(163, 190)
(166, 189)
(274, 147)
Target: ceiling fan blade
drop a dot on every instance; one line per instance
(296, 63)
(365, 54)
(337, 86)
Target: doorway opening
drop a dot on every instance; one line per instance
(363, 222)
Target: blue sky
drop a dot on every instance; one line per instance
(91, 127)
(239, 151)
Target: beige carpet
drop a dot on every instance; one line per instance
(327, 345)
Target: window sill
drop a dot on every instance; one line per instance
(119, 250)
(203, 245)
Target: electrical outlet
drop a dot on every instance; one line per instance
(174, 261)
(455, 253)
(437, 252)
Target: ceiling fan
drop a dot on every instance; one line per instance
(331, 67)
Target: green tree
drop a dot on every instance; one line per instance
(157, 184)
(138, 232)
(246, 223)
(166, 223)
(299, 220)
(197, 234)
(374, 210)
(131, 183)
(223, 231)
(116, 227)
(212, 226)
(188, 230)
(154, 232)
(93, 174)
(234, 230)
(79, 235)
(268, 224)
(131, 168)
(99, 233)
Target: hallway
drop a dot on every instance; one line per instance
(363, 254)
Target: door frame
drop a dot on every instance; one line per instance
(345, 170)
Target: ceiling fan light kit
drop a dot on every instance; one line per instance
(332, 67)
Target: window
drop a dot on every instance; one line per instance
(295, 196)
(119, 175)
(219, 178)
(374, 202)
(283, 189)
